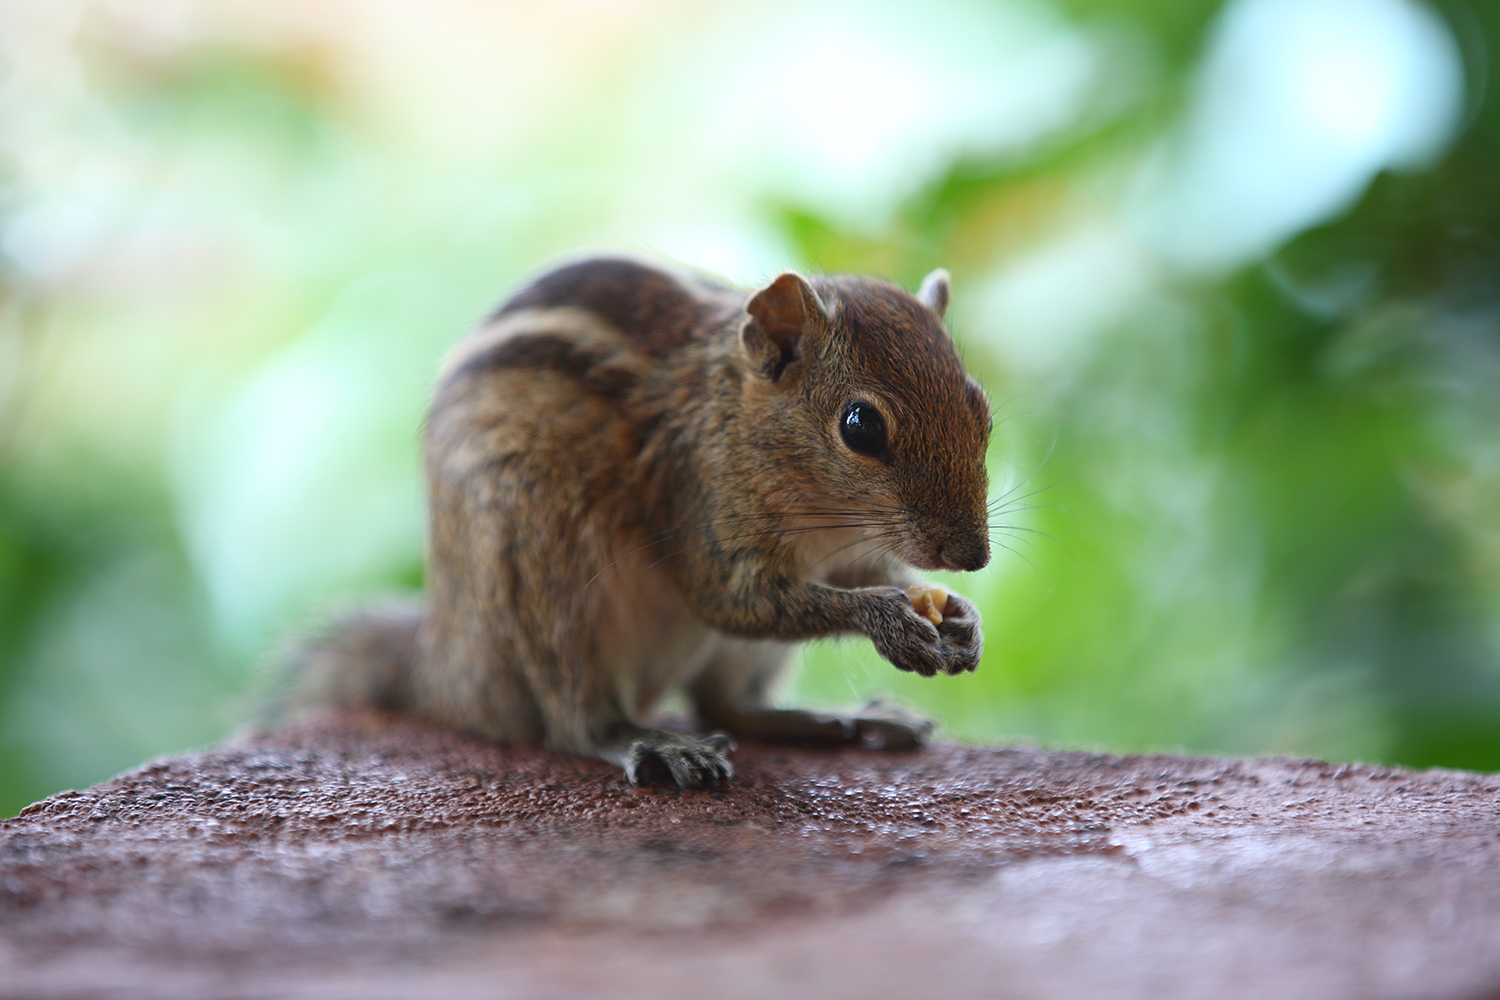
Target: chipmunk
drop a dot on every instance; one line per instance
(640, 480)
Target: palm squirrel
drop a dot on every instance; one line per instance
(640, 480)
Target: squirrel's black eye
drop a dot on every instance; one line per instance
(863, 429)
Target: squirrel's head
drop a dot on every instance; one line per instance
(857, 387)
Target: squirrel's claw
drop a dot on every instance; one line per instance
(687, 760)
(883, 726)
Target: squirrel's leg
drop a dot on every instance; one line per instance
(580, 702)
(581, 712)
(734, 693)
(584, 694)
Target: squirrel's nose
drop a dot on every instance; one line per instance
(967, 556)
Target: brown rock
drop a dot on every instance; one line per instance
(370, 856)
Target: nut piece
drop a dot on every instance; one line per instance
(929, 599)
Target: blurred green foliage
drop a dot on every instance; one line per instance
(1252, 476)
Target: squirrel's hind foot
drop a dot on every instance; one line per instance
(654, 756)
(877, 726)
(882, 726)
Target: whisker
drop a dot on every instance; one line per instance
(1017, 527)
(1007, 495)
(757, 515)
(878, 537)
(1051, 448)
(679, 530)
(875, 552)
(1020, 504)
(761, 534)
(1019, 555)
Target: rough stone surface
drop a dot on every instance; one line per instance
(369, 856)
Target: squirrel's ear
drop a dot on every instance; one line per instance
(782, 315)
(934, 292)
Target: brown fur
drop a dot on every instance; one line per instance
(637, 482)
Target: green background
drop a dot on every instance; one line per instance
(1231, 274)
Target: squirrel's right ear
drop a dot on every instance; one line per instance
(782, 316)
(934, 292)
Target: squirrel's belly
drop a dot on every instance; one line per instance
(649, 639)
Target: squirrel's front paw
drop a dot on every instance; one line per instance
(911, 642)
(960, 631)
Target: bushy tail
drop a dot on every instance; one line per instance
(358, 659)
